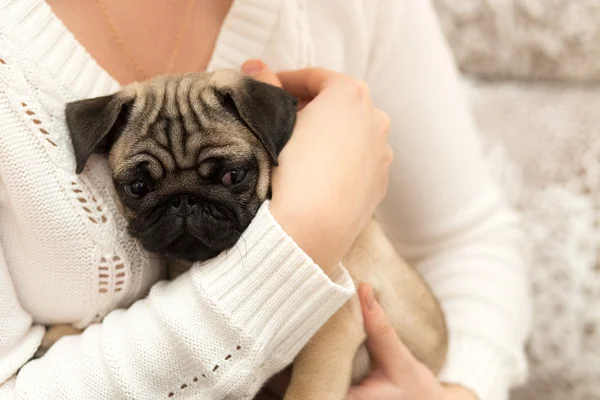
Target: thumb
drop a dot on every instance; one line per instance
(259, 71)
(387, 351)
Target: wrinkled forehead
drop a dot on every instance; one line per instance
(176, 123)
(172, 96)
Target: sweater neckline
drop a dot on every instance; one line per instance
(245, 33)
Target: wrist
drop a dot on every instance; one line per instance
(308, 233)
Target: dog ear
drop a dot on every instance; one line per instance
(268, 111)
(94, 124)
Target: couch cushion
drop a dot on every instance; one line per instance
(525, 39)
(543, 145)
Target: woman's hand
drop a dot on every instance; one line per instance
(397, 374)
(333, 172)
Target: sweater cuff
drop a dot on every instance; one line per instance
(479, 366)
(272, 289)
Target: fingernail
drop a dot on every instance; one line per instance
(370, 299)
(253, 67)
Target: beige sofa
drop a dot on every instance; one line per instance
(532, 71)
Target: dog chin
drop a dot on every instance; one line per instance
(186, 239)
(189, 248)
(186, 246)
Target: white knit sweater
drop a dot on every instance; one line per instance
(220, 330)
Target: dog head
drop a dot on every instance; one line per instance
(190, 155)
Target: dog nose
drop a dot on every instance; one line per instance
(183, 202)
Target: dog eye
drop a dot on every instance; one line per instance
(233, 177)
(137, 189)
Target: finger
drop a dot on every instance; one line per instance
(259, 71)
(379, 389)
(386, 349)
(362, 392)
(305, 83)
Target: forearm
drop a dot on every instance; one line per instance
(219, 330)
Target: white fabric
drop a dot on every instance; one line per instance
(67, 258)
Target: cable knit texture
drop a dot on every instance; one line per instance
(527, 39)
(221, 329)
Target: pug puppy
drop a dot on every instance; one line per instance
(191, 157)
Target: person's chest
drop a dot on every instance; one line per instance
(137, 39)
(64, 239)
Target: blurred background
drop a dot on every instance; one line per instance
(532, 69)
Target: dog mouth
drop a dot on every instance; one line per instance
(181, 244)
(198, 235)
(181, 239)
(189, 248)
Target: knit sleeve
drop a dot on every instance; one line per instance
(19, 337)
(218, 331)
(443, 211)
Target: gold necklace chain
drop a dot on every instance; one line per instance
(141, 72)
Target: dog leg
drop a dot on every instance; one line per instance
(323, 369)
(336, 356)
(412, 308)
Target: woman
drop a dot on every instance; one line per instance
(65, 257)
